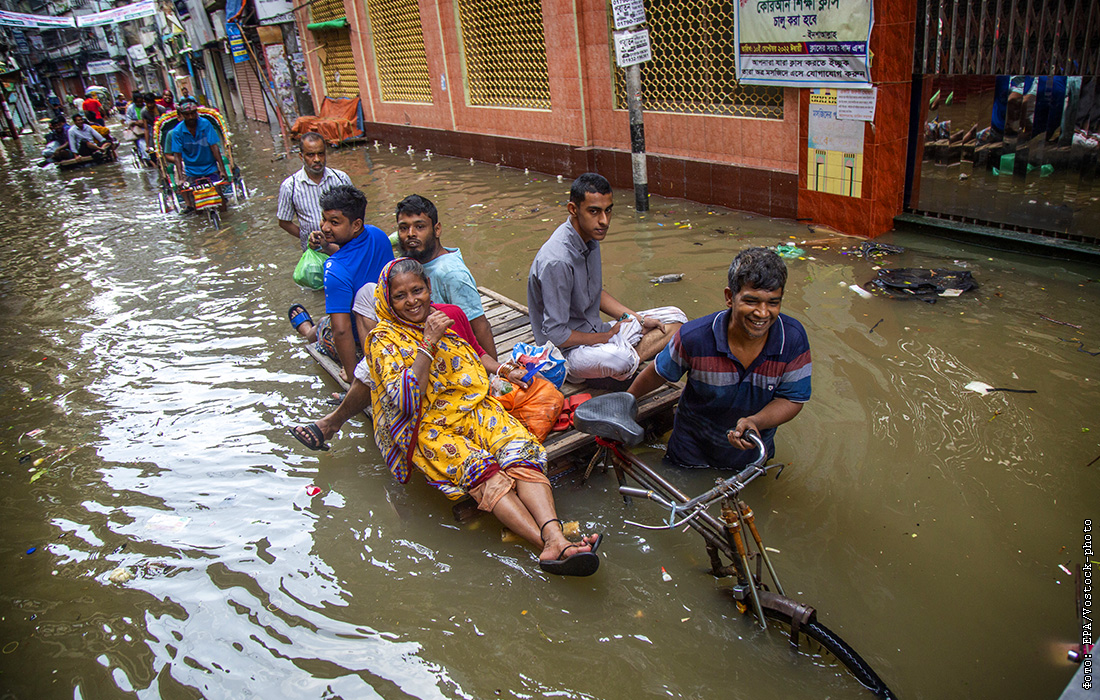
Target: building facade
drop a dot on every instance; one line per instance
(533, 84)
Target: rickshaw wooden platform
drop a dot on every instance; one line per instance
(566, 449)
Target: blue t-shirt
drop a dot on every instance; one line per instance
(198, 161)
(452, 283)
(720, 391)
(358, 261)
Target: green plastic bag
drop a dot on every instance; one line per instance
(310, 270)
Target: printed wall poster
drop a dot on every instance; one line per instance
(834, 150)
(804, 43)
(281, 79)
(271, 11)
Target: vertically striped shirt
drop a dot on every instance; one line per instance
(301, 197)
(720, 391)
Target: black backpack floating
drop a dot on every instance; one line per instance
(918, 283)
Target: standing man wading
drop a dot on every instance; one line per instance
(300, 194)
(748, 367)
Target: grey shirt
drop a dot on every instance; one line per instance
(564, 286)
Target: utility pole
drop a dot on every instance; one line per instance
(631, 49)
(637, 137)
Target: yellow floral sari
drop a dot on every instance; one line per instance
(450, 429)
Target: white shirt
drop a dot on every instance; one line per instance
(78, 136)
(300, 197)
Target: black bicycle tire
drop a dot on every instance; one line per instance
(843, 652)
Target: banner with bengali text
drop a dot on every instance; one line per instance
(18, 19)
(126, 13)
(804, 43)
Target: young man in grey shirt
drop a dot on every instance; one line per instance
(565, 295)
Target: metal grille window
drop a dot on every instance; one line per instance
(693, 66)
(327, 10)
(505, 53)
(338, 63)
(1007, 37)
(399, 51)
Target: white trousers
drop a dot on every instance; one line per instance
(616, 358)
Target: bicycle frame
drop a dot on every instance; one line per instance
(727, 535)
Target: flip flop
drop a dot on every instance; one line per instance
(579, 564)
(596, 544)
(298, 315)
(315, 441)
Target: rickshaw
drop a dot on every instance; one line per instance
(103, 95)
(207, 194)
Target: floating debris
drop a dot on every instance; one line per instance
(667, 279)
(983, 389)
(860, 291)
(870, 248)
(789, 251)
(1080, 346)
(120, 575)
(1054, 320)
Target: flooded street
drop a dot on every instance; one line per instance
(924, 521)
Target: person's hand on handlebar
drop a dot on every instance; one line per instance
(737, 436)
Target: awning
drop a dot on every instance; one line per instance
(331, 24)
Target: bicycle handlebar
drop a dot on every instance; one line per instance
(724, 488)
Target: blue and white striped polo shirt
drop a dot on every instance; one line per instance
(720, 391)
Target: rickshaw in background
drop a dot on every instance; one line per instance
(207, 194)
(103, 95)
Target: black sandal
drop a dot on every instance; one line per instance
(314, 439)
(579, 564)
(543, 527)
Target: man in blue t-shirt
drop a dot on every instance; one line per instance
(357, 255)
(748, 368)
(194, 146)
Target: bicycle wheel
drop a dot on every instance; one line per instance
(215, 218)
(828, 640)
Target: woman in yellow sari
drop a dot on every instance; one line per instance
(433, 412)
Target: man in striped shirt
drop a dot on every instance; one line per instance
(748, 368)
(300, 194)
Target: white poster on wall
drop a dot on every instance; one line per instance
(632, 48)
(627, 13)
(269, 10)
(102, 67)
(804, 43)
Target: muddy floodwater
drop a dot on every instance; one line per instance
(926, 522)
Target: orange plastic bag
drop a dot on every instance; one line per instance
(537, 406)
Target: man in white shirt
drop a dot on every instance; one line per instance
(300, 194)
(86, 141)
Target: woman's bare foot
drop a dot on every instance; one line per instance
(555, 543)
